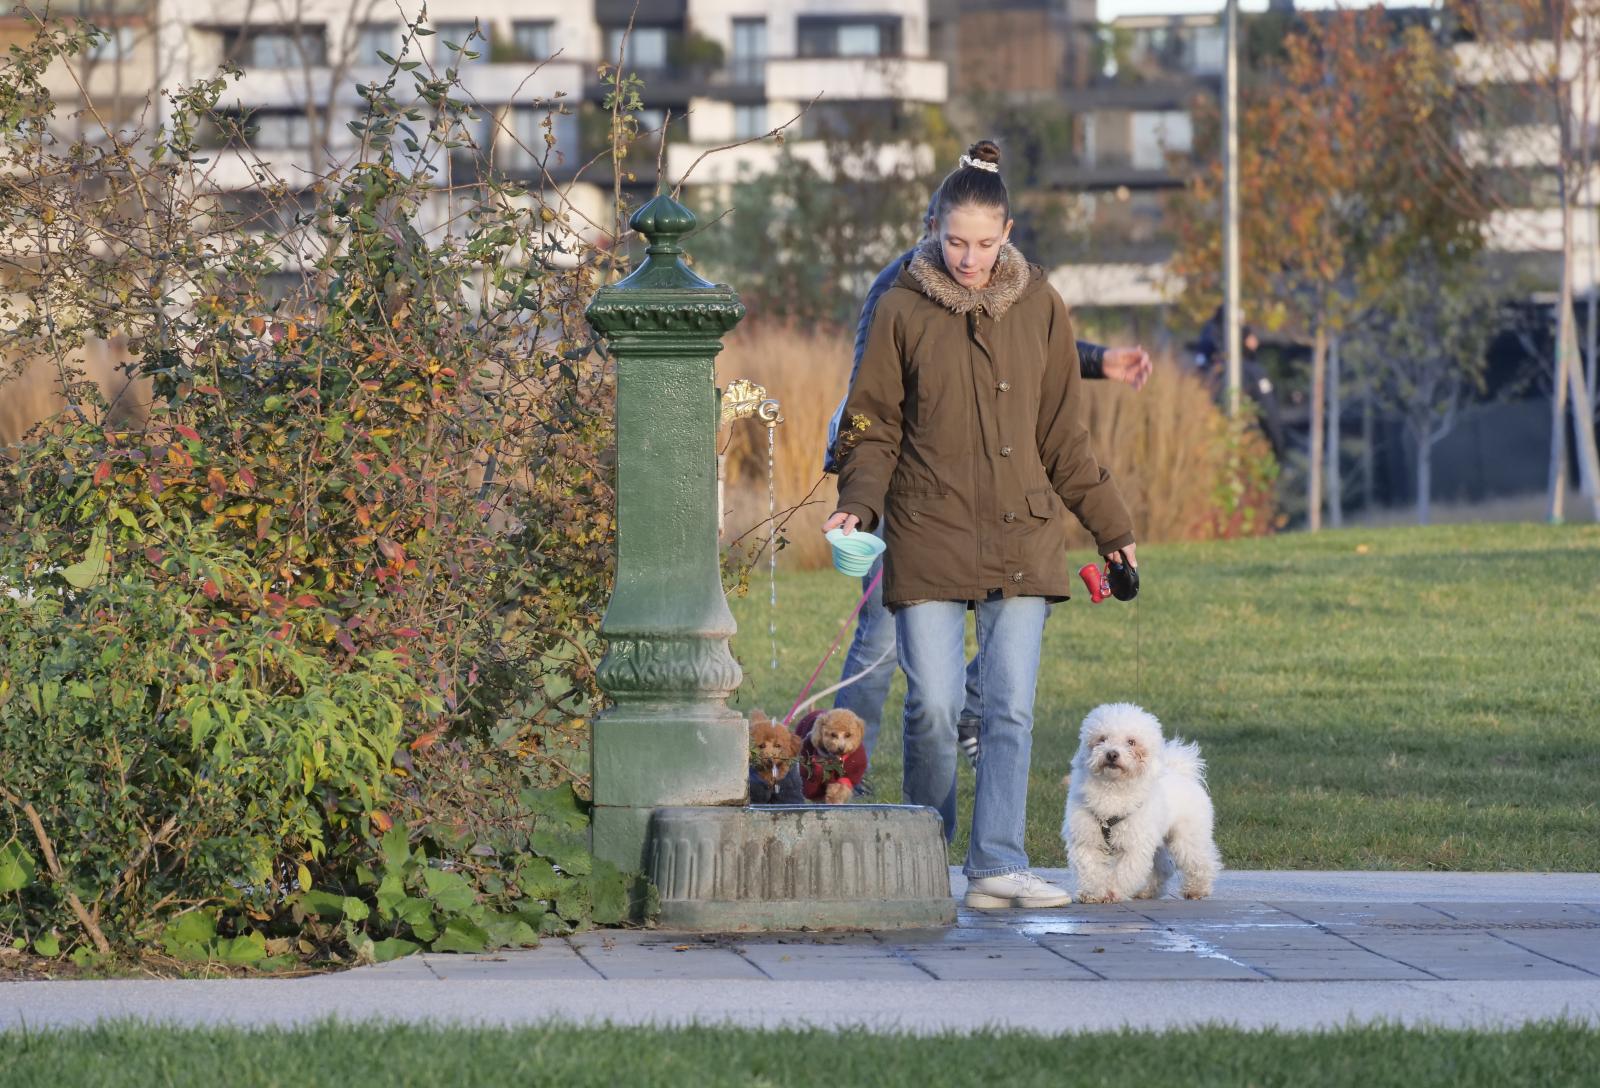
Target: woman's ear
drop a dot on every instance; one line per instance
(1009, 224)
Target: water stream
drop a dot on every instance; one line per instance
(772, 544)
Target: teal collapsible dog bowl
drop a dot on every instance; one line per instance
(854, 553)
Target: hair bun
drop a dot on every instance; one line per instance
(985, 151)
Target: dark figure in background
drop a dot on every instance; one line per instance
(1210, 360)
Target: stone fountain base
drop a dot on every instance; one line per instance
(723, 869)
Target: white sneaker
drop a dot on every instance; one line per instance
(1022, 889)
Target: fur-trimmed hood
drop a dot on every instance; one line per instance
(1010, 281)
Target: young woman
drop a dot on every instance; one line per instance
(966, 445)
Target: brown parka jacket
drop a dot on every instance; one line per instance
(964, 435)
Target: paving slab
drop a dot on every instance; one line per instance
(552, 960)
(1289, 950)
(845, 964)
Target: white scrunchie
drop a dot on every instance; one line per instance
(992, 167)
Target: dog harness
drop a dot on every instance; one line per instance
(1105, 829)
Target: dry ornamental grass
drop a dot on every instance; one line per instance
(1166, 446)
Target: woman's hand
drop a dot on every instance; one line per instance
(841, 520)
(1125, 555)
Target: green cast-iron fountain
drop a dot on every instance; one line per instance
(670, 757)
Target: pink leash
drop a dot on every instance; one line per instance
(876, 578)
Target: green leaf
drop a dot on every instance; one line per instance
(196, 928)
(510, 931)
(451, 891)
(323, 904)
(560, 805)
(392, 948)
(92, 568)
(391, 894)
(250, 948)
(355, 909)
(396, 847)
(569, 852)
(461, 935)
(573, 902)
(608, 892)
(47, 945)
(538, 879)
(16, 867)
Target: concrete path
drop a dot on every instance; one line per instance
(1293, 950)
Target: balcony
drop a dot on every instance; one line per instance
(753, 160)
(906, 78)
(287, 88)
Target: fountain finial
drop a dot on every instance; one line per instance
(662, 221)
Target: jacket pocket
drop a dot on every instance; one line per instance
(1042, 503)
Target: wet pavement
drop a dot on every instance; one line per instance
(1271, 949)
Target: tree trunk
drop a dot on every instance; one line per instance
(1583, 427)
(1556, 500)
(1591, 337)
(1424, 479)
(1369, 487)
(1319, 385)
(1335, 482)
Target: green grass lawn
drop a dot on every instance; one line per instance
(1366, 699)
(127, 1056)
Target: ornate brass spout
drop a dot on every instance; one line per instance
(744, 398)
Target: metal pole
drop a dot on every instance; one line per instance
(1230, 205)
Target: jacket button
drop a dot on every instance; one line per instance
(1004, 387)
(1017, 576)
(1005, 451)
(1011, 516)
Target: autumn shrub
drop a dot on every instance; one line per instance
(301, 662)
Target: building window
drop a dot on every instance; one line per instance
(278, 130)
(749, 61)
(527, 124)
(647, 47)
(1157, 133)
(117, 45)
(834, 37)
(749, 122)
(863, 120)
(457, 34)
(375, 38)
(532, 40)
(282, 48)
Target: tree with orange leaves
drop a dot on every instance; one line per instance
(1343, 179)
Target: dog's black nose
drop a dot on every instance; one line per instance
(1111, 756)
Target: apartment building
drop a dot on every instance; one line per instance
(118, 76)
(723, 71)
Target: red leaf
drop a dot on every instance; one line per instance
(427, 740)
(248, 479)
(363, 468)
(282, 633)
(216, 480)
(156, 484)
(155, 555)
(306, 600)
(210, 589)
(381, 821)
(102, 472)
(346, 641)
(209, 390)
(407, 632)
(188, 432)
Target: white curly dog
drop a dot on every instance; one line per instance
(1137, 808)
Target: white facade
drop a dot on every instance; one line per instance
(1531, 146)
(538, 58)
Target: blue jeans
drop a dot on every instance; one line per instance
(874, 637)
(933, 656)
